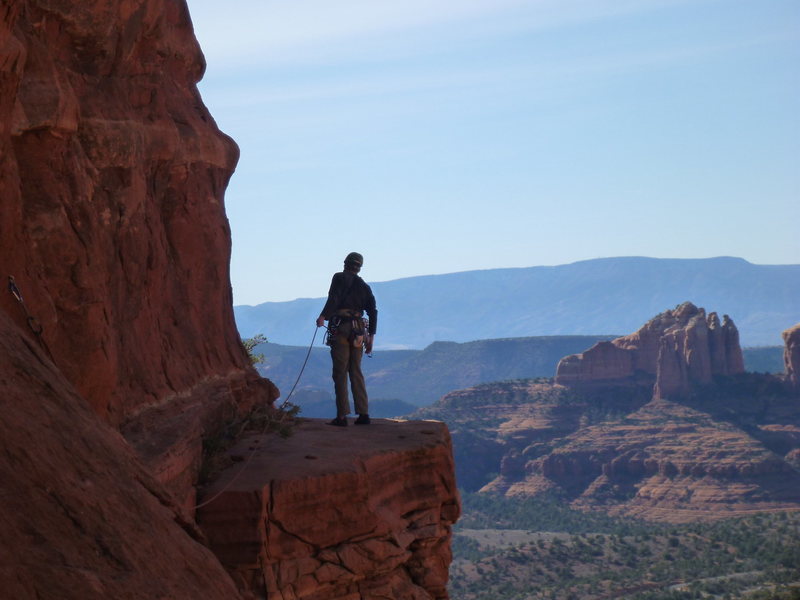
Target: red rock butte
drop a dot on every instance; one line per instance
(119, 353)
(676, 349)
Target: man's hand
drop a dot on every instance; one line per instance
(370, 339)
(320, 321)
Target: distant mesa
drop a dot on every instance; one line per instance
(675, 350)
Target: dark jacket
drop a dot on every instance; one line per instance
(348, 291)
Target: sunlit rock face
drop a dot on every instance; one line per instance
(112, 180)
(675, 349)
(791, 355)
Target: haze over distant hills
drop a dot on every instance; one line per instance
(438, 369)
(592, 297)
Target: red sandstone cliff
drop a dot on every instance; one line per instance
(113, 225)
(112, 179)
(791, 355)
(677, 348)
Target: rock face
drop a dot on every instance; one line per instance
(333, 513)
(676, 349)
(112, 179)
(113, 225)
(80, 518)
(791, 355)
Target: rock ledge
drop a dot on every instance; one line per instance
(338, 513)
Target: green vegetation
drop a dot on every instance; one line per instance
(250, 345)
(542, 513)
(514, 549)
(261, 419)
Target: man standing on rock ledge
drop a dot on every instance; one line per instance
(348, 298)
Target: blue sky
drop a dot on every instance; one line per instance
(438, 136)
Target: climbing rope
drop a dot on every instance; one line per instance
(33, 323)
(303, 368)
(250, 456)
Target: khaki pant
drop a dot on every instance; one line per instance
(347, 361)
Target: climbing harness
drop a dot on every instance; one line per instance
(359, 331)
(33, 323)
(283, 405)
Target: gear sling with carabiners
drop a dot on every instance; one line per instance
(359, 325)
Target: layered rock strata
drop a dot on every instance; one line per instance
(666, 462)
(333, 513)
(791, 355)
(617, 450)
(675, 350)
(80, 518)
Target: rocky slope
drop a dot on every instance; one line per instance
(727, 444)
(80, 518)
(362, 512)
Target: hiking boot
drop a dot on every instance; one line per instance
(363, 420)
(339, 422)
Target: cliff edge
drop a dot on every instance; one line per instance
(334, 513)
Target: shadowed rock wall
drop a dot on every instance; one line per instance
(80, 518)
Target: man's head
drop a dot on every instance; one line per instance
(353, 262)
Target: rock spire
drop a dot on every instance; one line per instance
(674, 350)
